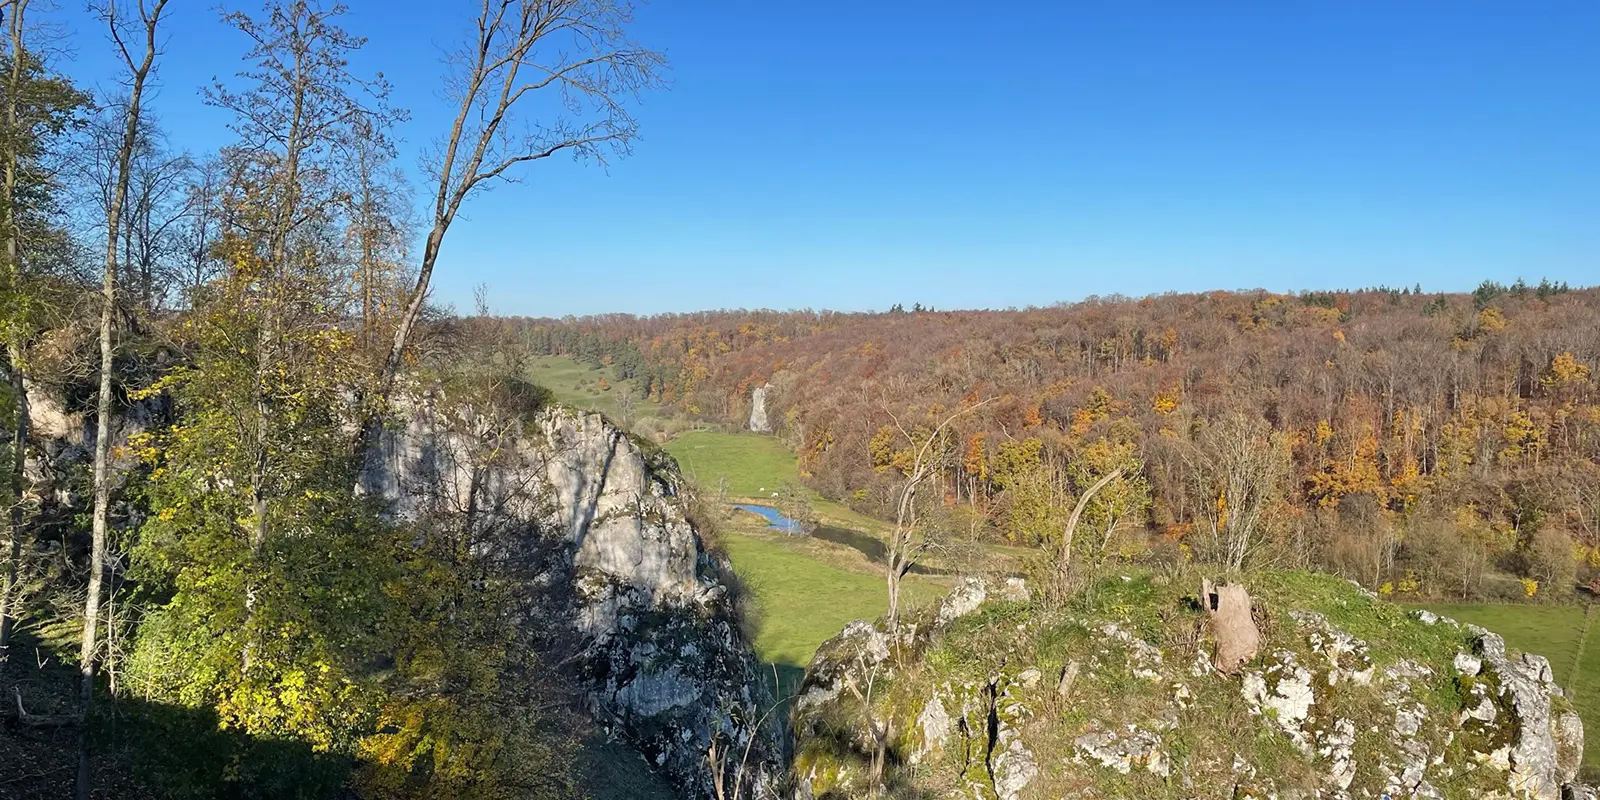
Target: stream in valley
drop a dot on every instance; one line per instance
(869, 546)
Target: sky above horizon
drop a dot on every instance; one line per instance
(855, 155)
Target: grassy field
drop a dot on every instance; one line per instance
(754, 465)
(578, 385)
(806, 597)
(1557, 633)
(805, 591)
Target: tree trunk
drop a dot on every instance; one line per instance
(1077, 511)
(102, 439)
(893, 576)
(18, 485)
(1228, 610)
(14, 345)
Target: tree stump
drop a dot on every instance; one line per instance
(1228, 609)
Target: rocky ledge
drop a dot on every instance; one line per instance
(1116, 696)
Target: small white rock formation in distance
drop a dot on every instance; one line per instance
(758, 409)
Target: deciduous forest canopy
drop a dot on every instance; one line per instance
(1418, 442)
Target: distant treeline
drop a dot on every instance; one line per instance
(1427, 441)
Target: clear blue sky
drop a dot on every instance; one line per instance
(853, 155)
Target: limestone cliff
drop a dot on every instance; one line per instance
(1116, 696)
(657, 641)
(758, 409)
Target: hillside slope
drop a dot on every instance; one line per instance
(1467, 425)
(1115, 696)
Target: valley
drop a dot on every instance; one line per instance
(807, 587)
(613, 400)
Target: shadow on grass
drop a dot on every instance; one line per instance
(866, 544)
(149, 750)
(870, 546)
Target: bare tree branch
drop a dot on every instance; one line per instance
(578, 49)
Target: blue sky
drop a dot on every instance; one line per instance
(854, 155)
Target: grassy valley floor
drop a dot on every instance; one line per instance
(805, 589)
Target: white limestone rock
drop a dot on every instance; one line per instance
(758, 409)
(936, 726)
(661, 651)
(962, 600)
(1284, 690)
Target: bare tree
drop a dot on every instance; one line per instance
(1238, 466)
(379, 229)
(908, 543)
(625, 405)
(480, 299)
(139, 68)
(1077, 514)
(154, 213)
(201, 226)
(575, 53)
(16, 19)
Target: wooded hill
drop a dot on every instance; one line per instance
(1424, 443)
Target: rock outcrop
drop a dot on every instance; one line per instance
(657, 641)
(1349, 697)
(758, 409)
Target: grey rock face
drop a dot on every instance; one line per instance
(758, 409)
(1014, 769)
(666, 666)
(1526, 686)
(962, 600)
(860, 647)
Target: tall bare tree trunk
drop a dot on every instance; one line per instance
(102, 440)
(267, 331)
(14, 350)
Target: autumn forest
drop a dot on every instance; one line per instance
(1430, 444)
(284, 519)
